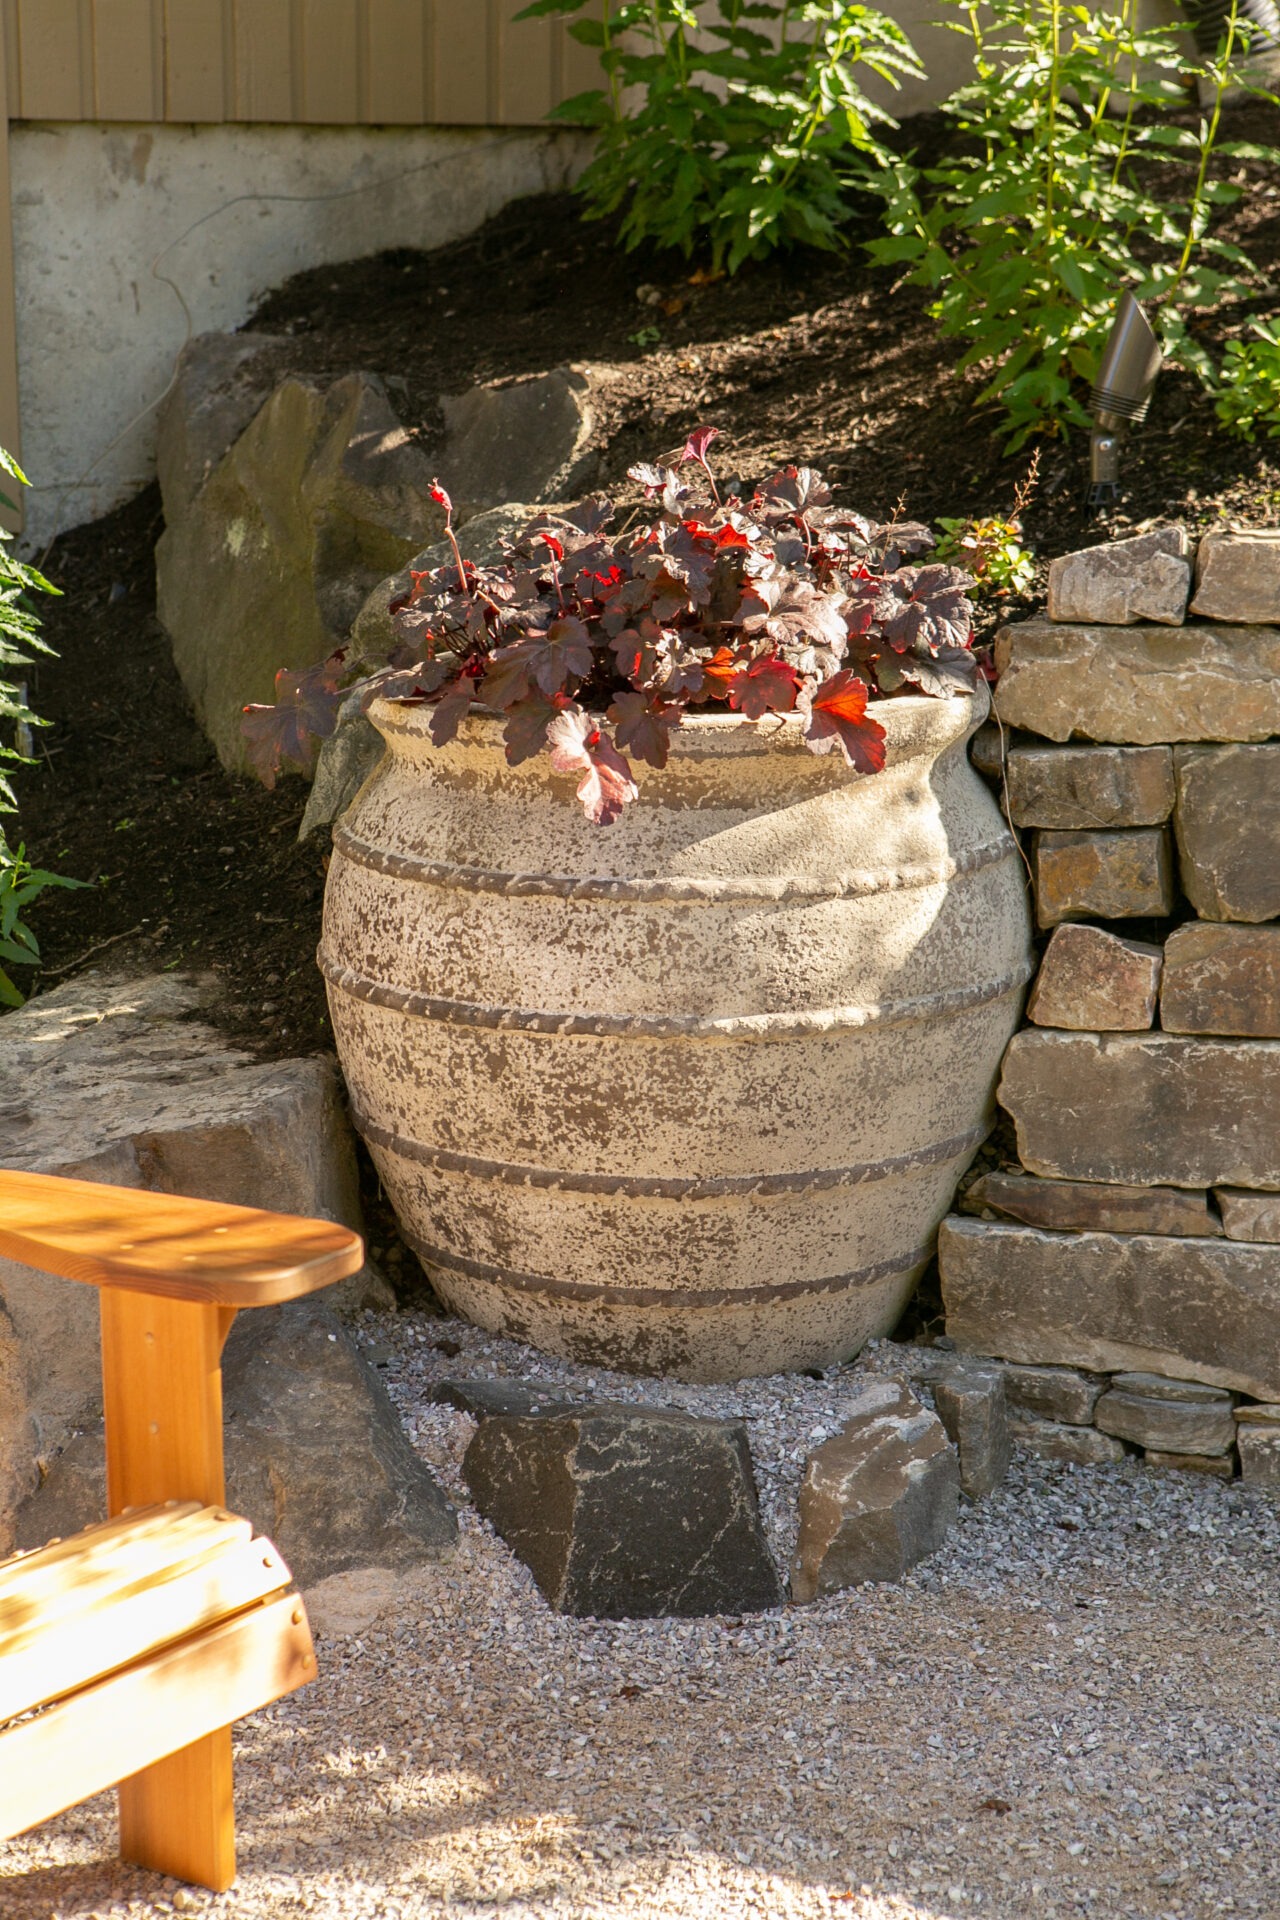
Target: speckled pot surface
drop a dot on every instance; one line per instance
(688, 1094)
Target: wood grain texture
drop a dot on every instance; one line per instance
(163, 1244)
(80, 1746)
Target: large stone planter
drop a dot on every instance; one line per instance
(690, 1093)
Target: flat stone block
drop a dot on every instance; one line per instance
(1139, 686)
(1158, 1386)
(972, 1407)
(1087, 1206)
(1110, 876)
(482, 1399)
(1053, 1440)
(1168, 1426)
(1222, 979)
(1146, 577)
(1075, 787)
(1053, 1393)
(1092, 980)
(1238, 575)
(1219, 1466)
(1260, 1415)
(1260, 1458)
(1084, 1104)
(1189, 1309)
(1227, 820)
(1249, 1216)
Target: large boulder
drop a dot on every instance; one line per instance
(526, 439)
(117, 1079)
(626, 1512)
(316, 1456)
(268, 563)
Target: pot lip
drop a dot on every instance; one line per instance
(918, 721)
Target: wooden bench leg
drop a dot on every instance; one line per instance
(162, 1399)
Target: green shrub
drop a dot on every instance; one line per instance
(1249, 388)
(737, 126)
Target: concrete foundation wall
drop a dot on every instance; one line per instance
(127, 238)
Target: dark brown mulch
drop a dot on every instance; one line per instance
(816, 359)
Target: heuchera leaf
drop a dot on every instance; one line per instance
(525, 733)
(580, 745)
(305, 712)
(718, 674)
(836, 712)
(766, 684)
(695, 447)
(949, 671)
(450, 711)
(643, 722)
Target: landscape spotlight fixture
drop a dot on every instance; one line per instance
(1130, 362)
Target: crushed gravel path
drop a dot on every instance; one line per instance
(1072, 1709)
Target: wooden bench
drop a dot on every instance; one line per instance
(127, 1651)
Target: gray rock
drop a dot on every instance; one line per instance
(1227, 821)
(1086, 1206)
(316, 1456)
(1166, 1426)
(525, 440)
(1092, 980)
(1054, 1440)
(346, 760)
(1053, 1393)
(921, 1364)
(626, 1513)
(136, 1090)
(1158, 1386)
(220, 382)
(1139, 686)
(1083, 1103)
(18, 1469)
(987, 750)
(1109, 876)
(1260, 1415)
(878, 1497)
(1238, 575)
(1068, 788)
(484, 1398)
(1146, 577)
(1222, 979)
(1249, 1216)
(320, 497)
(971, 1405)
(480, 539)
(1191, 1309)
(1220, 1466)
(1260, 1458)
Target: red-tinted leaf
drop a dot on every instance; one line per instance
(565, 650)
(449, 712)
(836, 712)
(506, 678)
(525, 733)
(695, 447)
(925, 607)
(718, 674)
(640, 651)
(580, 745)
(643, 722)
(549, 540)
(731, 536)
(792, 612)
(950, 671)
(305, 712)
(440, 497)
(765, 685)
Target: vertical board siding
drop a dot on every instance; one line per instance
(313, 62)
(10, 416)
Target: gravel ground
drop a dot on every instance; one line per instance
(1072, 1709)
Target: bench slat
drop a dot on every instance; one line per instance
(124, 1723)
(163, 1243)
(59, 1652)
(94, 1543)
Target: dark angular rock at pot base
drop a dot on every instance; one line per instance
(1166, 1426)
(1249, 1216)
(316, 1456)
(1083, 1106)
(345, 761)
(1238, 575)
(1139, 686)
(987, 750)
(1227, 821)
(1260, 1458)
(320, 497)
(1091, 980)
(1222, 979)
(483, 1399)
(1110, 876)
(1086, 1206)
(1072, 788)
(1055, 1440)
(971, 1405)
(878, 1497)
(1052, 1393)
(479, 539)
(626, 1513)
(526, 440)
(1121, 582)
(1220, 1466)
(1189, 1309)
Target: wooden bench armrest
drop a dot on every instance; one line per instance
(160, 1243)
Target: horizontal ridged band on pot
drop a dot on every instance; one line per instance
(690, 1093)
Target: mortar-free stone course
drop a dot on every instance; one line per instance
(1104, 876)
(1091, 980)
(1119, 582)
(1069, 788)
(1227, 820)
(1222, 979)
